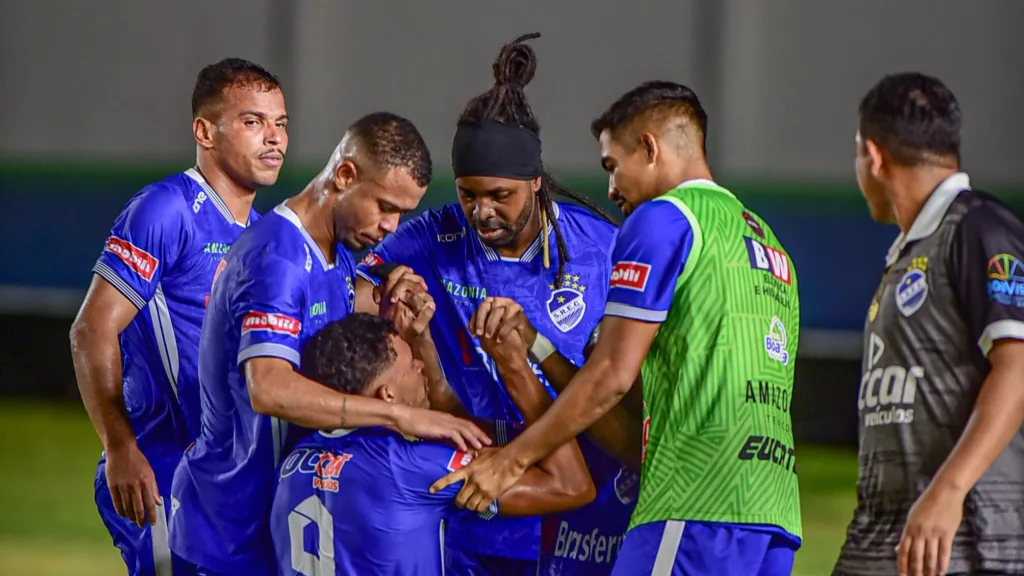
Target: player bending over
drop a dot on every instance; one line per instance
(284, 278)
(135, 342)
(495, 242)
(941, 403)
(357, 501)
(703, 301)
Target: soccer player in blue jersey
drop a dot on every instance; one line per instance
(357, 501)
(135, 341)
(495, 242)
(284, 278)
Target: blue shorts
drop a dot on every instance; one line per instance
(464, 563)
(144, 550)
(680, 548)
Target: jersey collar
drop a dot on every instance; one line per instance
(927, 222)
(531, 251)
(704, 183)
(290, 215)
(222, 206)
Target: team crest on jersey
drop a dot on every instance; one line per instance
(566, 305)
(911, 292)
(626, 483)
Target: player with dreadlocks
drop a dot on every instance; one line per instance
(507, 204)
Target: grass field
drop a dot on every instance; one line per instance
(49, 526)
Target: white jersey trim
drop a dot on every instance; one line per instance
(163, 333)
(999, 330)
(635, 313)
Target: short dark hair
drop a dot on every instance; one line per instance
(391, 141)
(506, 102)
(653, 100)
(915, 118)
(350, 353)
(215, 78)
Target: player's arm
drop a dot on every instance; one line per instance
(270, 358)
(374, 271)
(559, 482)
(985, 248)
(644, 278)
(144, 241)
(619, 432)
(989, 239)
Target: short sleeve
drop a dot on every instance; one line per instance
(988, 273)
(269, 310)
(145, 241)
(426, 463)
(405, 246)
(653, 250)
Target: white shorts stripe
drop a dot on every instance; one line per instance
(669, 548)
(161, 549)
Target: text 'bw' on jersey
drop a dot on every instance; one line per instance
(718, 440)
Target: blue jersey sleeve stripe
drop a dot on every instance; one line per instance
(110, 275)
(999, 330)
(269, 350)
(698, 238)
(367, 276)
(635, 313)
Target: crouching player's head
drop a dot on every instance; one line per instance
(363, 355)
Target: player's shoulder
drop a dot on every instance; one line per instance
(585, 220)
(436, 224)
(276, 237)
(652, 216)
(163, 200)
(982, 212)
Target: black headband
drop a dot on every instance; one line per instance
(489, 148)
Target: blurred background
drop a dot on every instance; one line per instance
(95, 104)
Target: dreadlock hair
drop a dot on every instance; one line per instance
(506, 102)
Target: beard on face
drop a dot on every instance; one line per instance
(510, 232)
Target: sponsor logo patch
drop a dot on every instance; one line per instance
(141, 262)
(630, 275)
(270, 322)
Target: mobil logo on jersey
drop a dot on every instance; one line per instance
(768, 259)
(775, 341)
(566, 305)
(630, 275)
(271, 322)
(138, 260)
(1006, 280)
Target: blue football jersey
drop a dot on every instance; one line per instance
(161, 254)
(357, 502)
(461, 272)
(275, 291)
(585, 542)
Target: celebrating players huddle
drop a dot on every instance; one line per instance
(511, 384)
